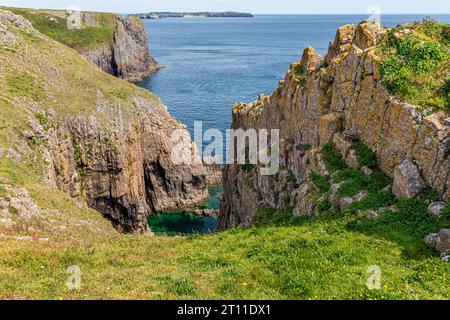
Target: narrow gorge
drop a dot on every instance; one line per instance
(103, 141)
(338, 106)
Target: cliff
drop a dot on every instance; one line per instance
(118, 45)
(339, 106)
(67, 125)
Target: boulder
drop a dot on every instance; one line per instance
(346, 201)
(407, 180)
(441, 242)
(435, 209)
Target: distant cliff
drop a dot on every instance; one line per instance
(68, 126)
(345, 122)
(119, 45)
(162, 15)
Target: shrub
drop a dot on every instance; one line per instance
(332, 158)
(364, 155)
(320, 182)
(417, 65)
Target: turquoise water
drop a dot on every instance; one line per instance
(176, 223)
(213, 63)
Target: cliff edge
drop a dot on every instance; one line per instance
(68, 126)
(351, 110)
(117, 44)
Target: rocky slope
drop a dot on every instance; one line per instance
(119, 45)
(69, 126)
(337, 101)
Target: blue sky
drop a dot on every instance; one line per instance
(254, 6)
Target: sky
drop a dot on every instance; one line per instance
(252, 6)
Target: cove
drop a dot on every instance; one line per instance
(180, 223)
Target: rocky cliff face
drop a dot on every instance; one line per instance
(335, 98)
(128, 56)
(73, 127)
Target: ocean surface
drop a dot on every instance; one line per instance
(213, 63)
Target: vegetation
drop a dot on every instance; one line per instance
(365, 156)
(299, 72)
(321, 182)
(55, 27)
(332, 158)
(417, 67)
(24, 84)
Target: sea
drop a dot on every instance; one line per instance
(212, 63)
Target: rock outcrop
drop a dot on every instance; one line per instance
(120, 45)
(336, 98)
(102, 140)
(441, 242)
(128, 56)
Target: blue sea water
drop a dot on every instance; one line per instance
(213, 63)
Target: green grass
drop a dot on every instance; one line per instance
(287, 258)
(417, 65)
(24, 84)
(56, 28)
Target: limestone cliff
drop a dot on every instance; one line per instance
(128, 56)
(117, 44)
(335, 98)
(68, 125)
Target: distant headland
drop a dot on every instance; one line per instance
(163, 15)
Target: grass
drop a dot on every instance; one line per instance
(24, 84)
(56, 28)
(288, 258)
(417, 65)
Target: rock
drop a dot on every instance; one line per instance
(394, 209)
(407, 180)
(435, 209)
(329, 124)
(205, 212)
(28, 135)
(372, 214)
(131, 50)
(352, 159)
(341, 144)
(441, 242)
(346, 201)
(334, 189)
(310, 59)
(12, 154)
(366, 170)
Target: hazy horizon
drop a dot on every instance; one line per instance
(299, 7)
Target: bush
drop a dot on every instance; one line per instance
(320, 182)
(417, 65)
(332, 158)
(364, 155)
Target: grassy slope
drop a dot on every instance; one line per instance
(325, 257)
(417, 68)
(55, 27)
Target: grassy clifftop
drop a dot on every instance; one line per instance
(416, 65)
(97, 28)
